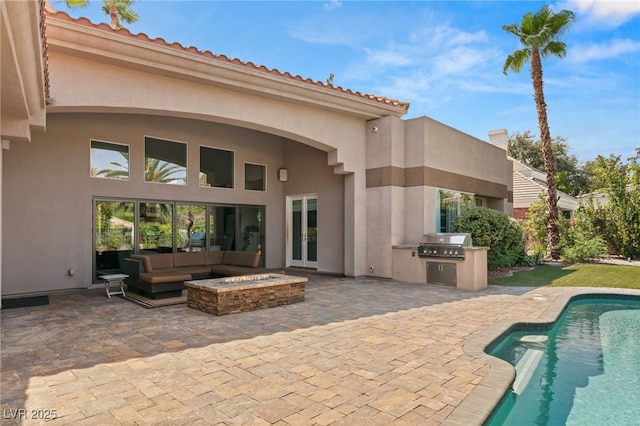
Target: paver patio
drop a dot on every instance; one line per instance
(361, 351)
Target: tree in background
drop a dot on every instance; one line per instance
(119, 9)
(619, 217)
(74, 3)
(570, 177)
(116, 9)
(539, 35)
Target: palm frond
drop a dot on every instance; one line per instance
(554, 48)
(517, 60)
(76, 3)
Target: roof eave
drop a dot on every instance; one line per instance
(156, 56)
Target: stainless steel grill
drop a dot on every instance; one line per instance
(444, 245)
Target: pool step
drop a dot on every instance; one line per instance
(525, 368)
(534, 338)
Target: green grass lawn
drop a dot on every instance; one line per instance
(578, 275)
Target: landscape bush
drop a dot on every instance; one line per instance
(580, 241)
(494, 229)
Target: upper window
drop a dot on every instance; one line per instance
(109, 160)
(255, 177)
(216, 167)
(165, 161)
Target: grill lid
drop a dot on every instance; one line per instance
(446, 238)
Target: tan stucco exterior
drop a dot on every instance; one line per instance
(408, 161)
(374, 174)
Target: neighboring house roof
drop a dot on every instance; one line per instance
(529, 183)
(401, 107)
(601, 198)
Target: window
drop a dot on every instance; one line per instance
(155, 227)
(255, 177)
(109, 160)
(236, 228)
(216, 167)
(165, 161)
(191, 227)
(113, 235)
(125, 227)
(450, 205)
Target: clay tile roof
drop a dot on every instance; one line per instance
(403, 106)
(45, 48)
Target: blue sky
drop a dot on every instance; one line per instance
(444, 57)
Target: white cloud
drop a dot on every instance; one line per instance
(393, 56)
(607, 50)
(333, 4)
(613, 12)
(459, 60)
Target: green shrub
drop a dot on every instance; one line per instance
(494, 229)
(536, 222)
(537, 254)
(580, 242)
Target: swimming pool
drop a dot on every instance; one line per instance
(583, 369)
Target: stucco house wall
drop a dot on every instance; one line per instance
(408, 162)
(375, 175)
(309, 174)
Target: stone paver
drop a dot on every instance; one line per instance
(360, 351)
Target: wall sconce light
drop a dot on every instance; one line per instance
(375, 128)
(283, 175)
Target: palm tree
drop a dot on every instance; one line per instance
(157, 170)
(121, 173)
(76, 3)
(116, 9)
(119, 9)
(539, 35)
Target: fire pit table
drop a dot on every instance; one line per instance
(230, 295)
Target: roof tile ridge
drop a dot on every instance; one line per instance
(222, 57)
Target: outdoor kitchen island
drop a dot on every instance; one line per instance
(230, 295)
(443, 259)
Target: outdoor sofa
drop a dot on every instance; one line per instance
(163, 275)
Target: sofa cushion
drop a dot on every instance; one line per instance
(247, 258)
(164, 277)
(229, 257)
(194, 270)
(160, 261)
(194, 258)
(146, 262)
(213, 257)
(233, 270)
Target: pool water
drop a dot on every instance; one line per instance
(582, 370)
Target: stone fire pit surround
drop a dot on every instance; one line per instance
(230, 295)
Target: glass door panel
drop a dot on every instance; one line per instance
(312, 230)
(156, 227)
(250, 221)
(303, 231)
(296, 232)
(222, 228)
(113, 235)
(191, 227)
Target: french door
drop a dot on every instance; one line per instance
(302, 231)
